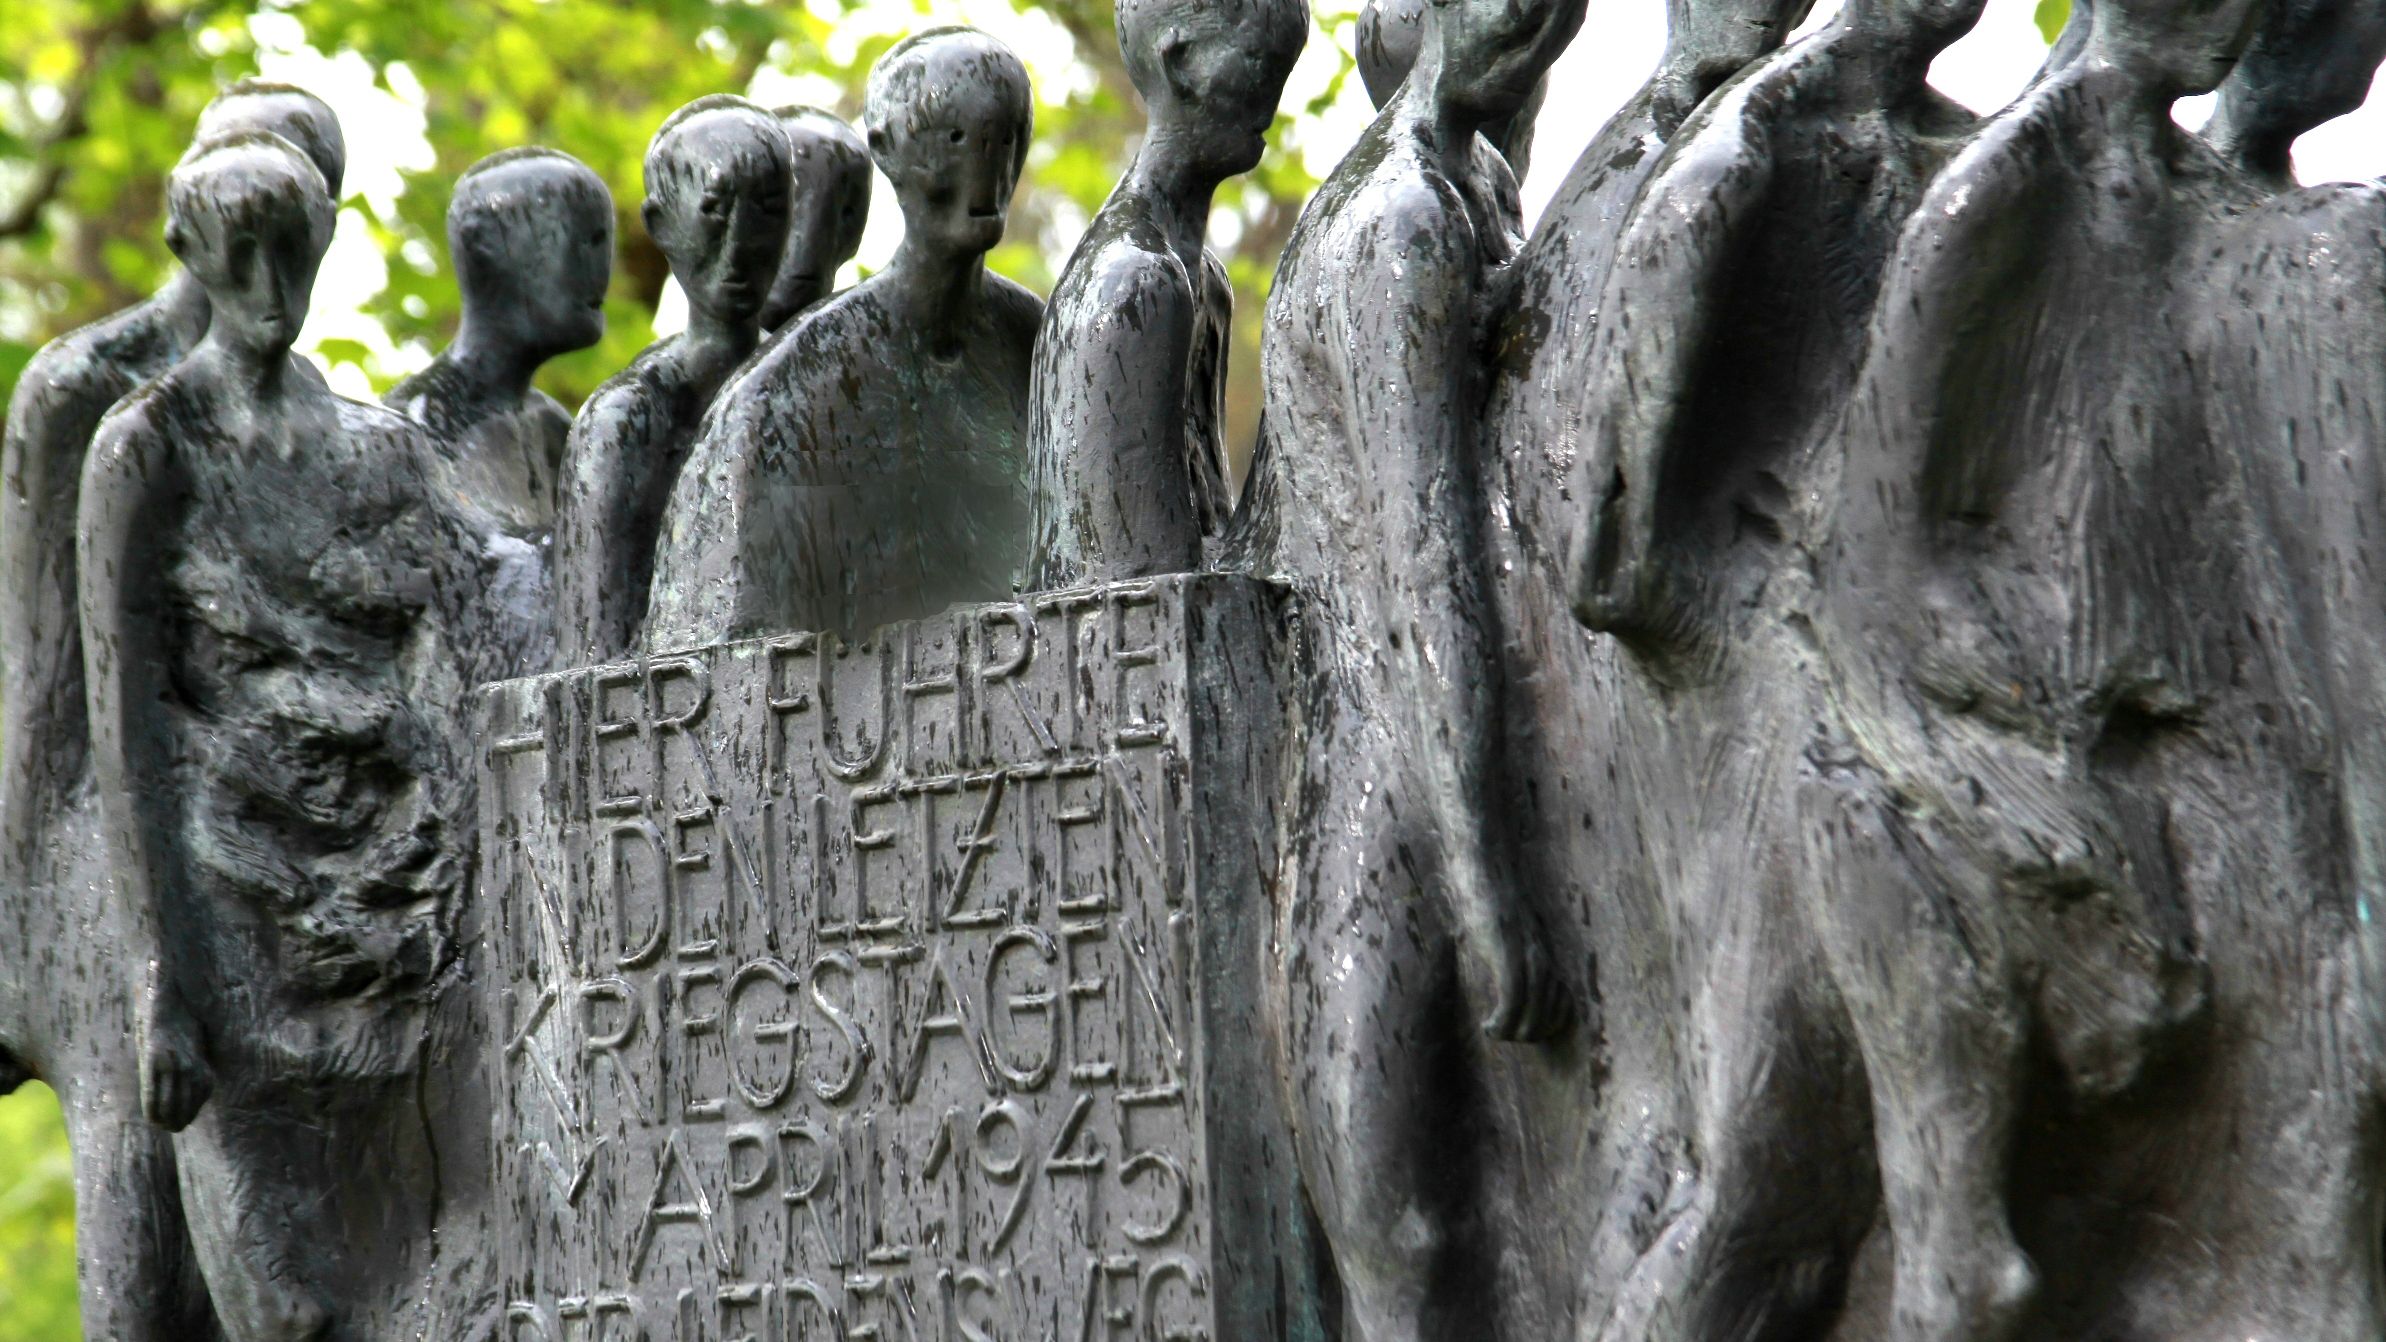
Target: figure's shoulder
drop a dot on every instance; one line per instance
(1013, 306)
(1125, 260)
(103, 360)
(383, 455)
(2356, 211)
(827, 356)
(423, 396)
(2336, 231)
(134, 430)
(2005, 162)
(1408, 212)
(629, 396)
(852, 322)
(1623, 147)
(2044, 120)
(545, 411)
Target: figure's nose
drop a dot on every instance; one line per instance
(982, 186)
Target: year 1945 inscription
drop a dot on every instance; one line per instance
(886, 991)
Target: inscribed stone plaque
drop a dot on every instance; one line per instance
(905, 990)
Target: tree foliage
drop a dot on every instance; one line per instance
(37, 1220)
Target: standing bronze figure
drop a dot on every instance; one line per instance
(1402, 896)
(269, 590)
(1127, 413)
(717, 203)
(69, 963)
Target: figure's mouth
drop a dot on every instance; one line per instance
(984, 212)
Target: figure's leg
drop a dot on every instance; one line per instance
(1376, 1028)
(249, 1189)
(140, 1282)
(1757, 1238)
(1908, 927)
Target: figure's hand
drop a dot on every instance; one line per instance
(175, 1078)
(1529, 998)
(1610, 567)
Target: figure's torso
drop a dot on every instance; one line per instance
(502, 456)
(874, 478)
(309, 574)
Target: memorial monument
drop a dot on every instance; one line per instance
(1796, 755)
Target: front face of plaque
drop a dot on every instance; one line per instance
(854, 992)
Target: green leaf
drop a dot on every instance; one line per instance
(2050, 17)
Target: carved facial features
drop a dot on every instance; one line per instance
(1494, 52)
(248, 215)
(949, 116)
(717, 204)
(1214, 71)
(830, 204)
(532, 236)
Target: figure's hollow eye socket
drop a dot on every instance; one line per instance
(242, 258)
(957, 135)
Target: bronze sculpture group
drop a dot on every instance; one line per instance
(1836, 755)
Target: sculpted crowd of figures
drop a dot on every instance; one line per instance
(1839, 764)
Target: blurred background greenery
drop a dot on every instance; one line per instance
(37, 1221)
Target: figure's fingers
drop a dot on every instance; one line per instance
(1507, 1004)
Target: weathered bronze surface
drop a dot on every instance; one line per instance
(872, 465)
(1799, 753)
(913, 985)
(1126, 411)
(718, 204)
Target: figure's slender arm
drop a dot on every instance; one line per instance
(1115, 494)
(1409, 304)
(42, 737)
(1671, 269)
(582, 532)
(1942, 366)
(132, 485)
